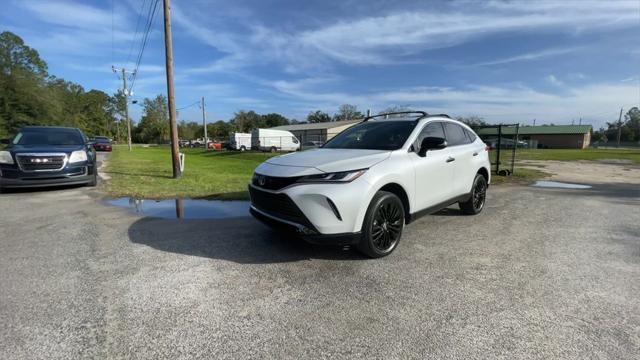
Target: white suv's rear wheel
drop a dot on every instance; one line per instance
(383, 224)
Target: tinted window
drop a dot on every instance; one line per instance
(455, 134)
(470, 135)
(433, 129)
(373, 135)
(51, 136)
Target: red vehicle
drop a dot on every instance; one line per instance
(215, 145)
(102, 143)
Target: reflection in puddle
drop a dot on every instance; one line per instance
(184, 208)
(561, 185)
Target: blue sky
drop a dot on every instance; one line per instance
(514, 61)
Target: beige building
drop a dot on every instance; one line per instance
(319, 132)
(547, 136)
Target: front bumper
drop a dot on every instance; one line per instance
(12, 177)
(308, 234)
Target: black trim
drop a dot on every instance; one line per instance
(309, 235)
(435, 208)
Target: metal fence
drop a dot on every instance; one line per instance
(503, 141)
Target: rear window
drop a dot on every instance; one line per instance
(49, 137)
(455, 134)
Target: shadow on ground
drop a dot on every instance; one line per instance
(242, 240)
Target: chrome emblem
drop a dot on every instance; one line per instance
(262, 180)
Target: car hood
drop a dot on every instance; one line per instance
(330, 160)
(44, 148)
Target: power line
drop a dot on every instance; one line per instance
(135, 34)
(188, 106)
(144, 42)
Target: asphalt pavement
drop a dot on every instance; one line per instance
(540, 274)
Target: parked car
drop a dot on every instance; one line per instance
(47, 156)
(367, 182)
(240, 141)
(184, 143)
(102, 143)
(215, 145)
(274, 140)
(311, 145)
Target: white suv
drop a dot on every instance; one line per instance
(367, 182)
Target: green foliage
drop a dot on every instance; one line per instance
(190, 130)
(220, 130)
(30, 96)
(318, 117)
(245, 121)
(154, 124)
(275, 119)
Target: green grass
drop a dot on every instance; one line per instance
(145, 172)
(577, 154)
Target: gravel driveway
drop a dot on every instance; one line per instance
(540, 274)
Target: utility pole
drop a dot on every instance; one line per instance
(126, 101)
(534, 122)
(175, 155)
(619, 127)
(204, 124)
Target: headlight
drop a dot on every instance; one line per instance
(78, 156)
(336, 177)
(5, 157)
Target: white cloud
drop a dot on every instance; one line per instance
(529, 56)
(494, 103)
(554, 80)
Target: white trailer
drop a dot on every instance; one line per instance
(240, 141)
(274, 140)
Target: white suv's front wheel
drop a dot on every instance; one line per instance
(383, 224)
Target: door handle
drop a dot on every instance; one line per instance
(450, 159)
(475, 154)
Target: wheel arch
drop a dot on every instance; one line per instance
(484, 172)
(400, 192)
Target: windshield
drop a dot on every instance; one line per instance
(373, 135)
(102, 140)
(48, 137)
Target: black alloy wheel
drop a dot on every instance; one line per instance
(478, 197)
(383, 225)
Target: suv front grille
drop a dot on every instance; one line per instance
(278, 205)
(272, 182)
(41, 162)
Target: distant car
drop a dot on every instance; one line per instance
(216, 145)
(47, 156)
(311, 145)
(102, 143)
(274, 140)
(183, 143)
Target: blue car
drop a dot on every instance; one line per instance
(47, 156)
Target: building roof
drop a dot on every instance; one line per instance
(316, 126)
(538, 130)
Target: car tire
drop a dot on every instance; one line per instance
(273, 149)
(94, 179)
(478, 196)
(382, 226)
(243, 148)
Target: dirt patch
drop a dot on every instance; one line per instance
(587, 172)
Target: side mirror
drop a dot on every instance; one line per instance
(431, 143)
(5, 141)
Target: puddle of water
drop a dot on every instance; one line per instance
(184, 208)
(560, 185)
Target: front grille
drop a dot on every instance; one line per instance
(272, 182)
(41, 162)
(278, 205)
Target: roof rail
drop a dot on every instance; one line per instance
(421, 114)
(439, 115)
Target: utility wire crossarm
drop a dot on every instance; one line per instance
(126, 101)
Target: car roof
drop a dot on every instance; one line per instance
(48, 127)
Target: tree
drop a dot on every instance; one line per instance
(189, 130)
(220, 129)
(397, 108)
(473, 121)
(245, 121)
(154, 124)
(275, 119)
(318, 117)
(347, 112)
